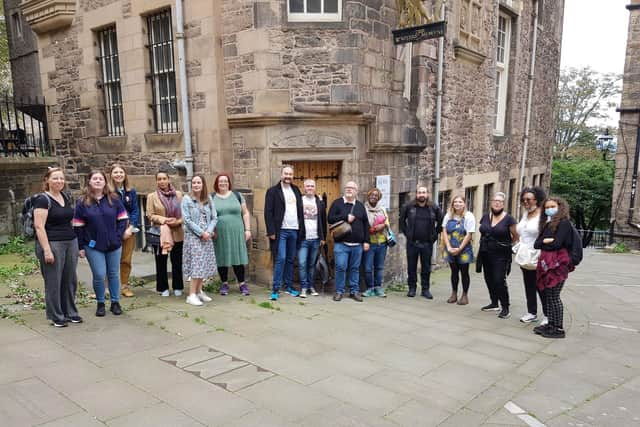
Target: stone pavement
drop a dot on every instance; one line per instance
(385, 362)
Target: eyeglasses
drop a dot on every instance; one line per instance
(498, 200)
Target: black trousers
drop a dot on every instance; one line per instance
(423, 252)
(496, 267)
(238, 270)
(162, 281)
(531, 291)
(458, 270)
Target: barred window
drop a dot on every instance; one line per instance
(112, 91)
(163, 75)
(470, 196)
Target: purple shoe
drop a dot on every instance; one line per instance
(244, 289)
(224, 289)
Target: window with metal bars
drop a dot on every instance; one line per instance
(110, 67)
(163, 75)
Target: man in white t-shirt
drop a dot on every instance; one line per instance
(315, 225)
(284, 220)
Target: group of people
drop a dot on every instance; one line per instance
(203, 233)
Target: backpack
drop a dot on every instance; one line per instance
(26, 219)
(575, 250)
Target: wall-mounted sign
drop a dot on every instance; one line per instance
(421, 32)
(383, 183)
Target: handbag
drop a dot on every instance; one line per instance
(391, 238)
(152, 235)
(341, 228)
(527, 257)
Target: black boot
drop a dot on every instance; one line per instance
(100, 311)
(115, 308)
(426, 293)
(412, 292)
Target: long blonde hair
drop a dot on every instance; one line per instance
(125, 183)
(452, 211)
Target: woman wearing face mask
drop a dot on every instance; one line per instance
(458, 226)
(163, 208)
(554, 264)
(100, 220)
(498, 233)
(528, 230)
(378, 235)
(120, 186)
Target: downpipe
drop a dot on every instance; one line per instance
(184, 94)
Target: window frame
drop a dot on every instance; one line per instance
(470, 196)
(162, 74)
(314, 17)
(111, 84)
(503, 45)
(488, 193)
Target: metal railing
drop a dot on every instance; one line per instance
(23, 127)
(594, 238)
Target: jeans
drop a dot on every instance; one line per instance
(283, 265)
(423, 251)
(374, 264)
(105, 264)
(347, 263)
(60, 280)
(162, 280)
(307, 262)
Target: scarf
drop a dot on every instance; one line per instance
(170, 202)
(375, 214)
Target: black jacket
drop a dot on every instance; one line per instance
(274, 208)
(339, 211)
(408, 220)
(322, 219)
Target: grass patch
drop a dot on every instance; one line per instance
(136, 282)
(620, 248)
(16, 245)
(397, 287)
(219, 329)
(212, 286)
(301, 303)
(268, 305)
(200, 320)
(6, 313)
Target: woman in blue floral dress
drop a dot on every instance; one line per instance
(458, 227)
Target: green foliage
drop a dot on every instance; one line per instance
(212, 286)
(16, 245)
(26, 296)
(268, 305)
(587, 185)
(620, 248)
(200, 320)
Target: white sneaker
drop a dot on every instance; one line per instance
(544, 321)
(313, 292)
(193, 300)
(303, 293)
(177, 292)
(528, 318)
(164, 293)
(204, 297)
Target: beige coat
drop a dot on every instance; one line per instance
(157, 214)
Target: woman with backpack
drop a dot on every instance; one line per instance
(232, 232)
(100, 221)
(554, 264)
(458, 227)
(120, 186)
(56, 249)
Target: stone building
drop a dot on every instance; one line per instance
(315, 83)
(626, 207)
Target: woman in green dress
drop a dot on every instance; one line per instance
(231, 234)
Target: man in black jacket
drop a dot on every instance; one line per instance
(420, 222)
(315, 227)
(284, 220)
(348, 249)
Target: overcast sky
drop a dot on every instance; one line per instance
(595, 34)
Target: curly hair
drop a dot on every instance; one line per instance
(538, 193)
(563, 213)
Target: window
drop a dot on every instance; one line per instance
(314, 10)
(502, 72)
(17, 25)
(163, 75)
(513, 196)
(470, 195)
(541, 180)
(444, 198)
(112, 92)
(488, 194)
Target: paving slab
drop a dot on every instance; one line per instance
(415, 413)
(191, 356)
(240, 378)
(344, 415)
(158, 415)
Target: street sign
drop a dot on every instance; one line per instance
(421, 32)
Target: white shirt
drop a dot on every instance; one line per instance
(310, 210)
(528, 229)
(290, 220)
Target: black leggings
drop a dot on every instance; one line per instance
(463, 269)
(238, 270)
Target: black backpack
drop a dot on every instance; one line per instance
(26, 219)
(575, 250)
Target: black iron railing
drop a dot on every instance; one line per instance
(23, 127)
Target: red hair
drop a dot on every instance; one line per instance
(215, 182)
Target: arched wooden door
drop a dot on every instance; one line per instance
(326, 174)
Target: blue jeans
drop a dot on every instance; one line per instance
(307, 262)
(283, 265)
(374, 264)
(105, 264)
(347, 261)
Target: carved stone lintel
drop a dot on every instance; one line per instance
(48, 15)
(313, 139)
(469, 55)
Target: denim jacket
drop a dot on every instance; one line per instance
(129, 199)
(191, 215)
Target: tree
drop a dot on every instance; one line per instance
(587, 185)
(583, 95)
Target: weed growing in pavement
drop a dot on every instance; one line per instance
(267, 304)
(16, 245)
(26, 296)
(620, 248)
(136, 282)
(212, 286)
(301, 303)
(397, 287)
(200, 320)
(183, 313)
(219, 329)
(252, 300)
(6, 313)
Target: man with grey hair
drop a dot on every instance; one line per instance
(420, 222)
(315, 226)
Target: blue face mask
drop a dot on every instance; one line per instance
(550, 211)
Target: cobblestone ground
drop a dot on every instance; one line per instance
(385, 362)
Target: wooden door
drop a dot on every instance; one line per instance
(326, 174)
